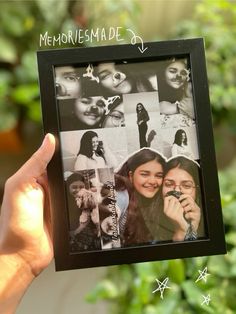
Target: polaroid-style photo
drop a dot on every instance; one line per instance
(134, 176)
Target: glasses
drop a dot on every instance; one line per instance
(117, 118)
(186, 186)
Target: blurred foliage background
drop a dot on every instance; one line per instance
(129, 288)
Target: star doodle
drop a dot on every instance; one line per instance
(162, 285)
(202, 275)
(207, 299)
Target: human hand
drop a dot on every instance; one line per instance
(84, 217)
(167, 107)
(185, 106)
(95, 216)
(192, 212)
(25, 229)
(174, 210)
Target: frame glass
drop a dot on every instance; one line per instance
(134, 176)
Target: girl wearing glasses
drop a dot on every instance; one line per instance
(115, 115)
(181, 201)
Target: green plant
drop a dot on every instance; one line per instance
(21, 23)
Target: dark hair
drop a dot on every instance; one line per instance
(186, 164)
(136, 230)
(116, 103)
(165, 91)
(166, 228)
(141, 157)
(178, 137)
(75, 177)
(143, 109)
(86, 148)
(90, 88)
(140, 73)
(68, 119)
(132, 72)
(112, 107)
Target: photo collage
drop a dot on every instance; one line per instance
(130, 153)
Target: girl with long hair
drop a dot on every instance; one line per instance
(181, 197)
(84, 111)
(180, 145)
(174, 88)
(118, 79)
(93, 154)
(142, 119)
(138, 182)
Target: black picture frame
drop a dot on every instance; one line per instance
(192, 51)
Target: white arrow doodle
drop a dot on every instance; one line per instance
(134, 41)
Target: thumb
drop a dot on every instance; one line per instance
(38, 162)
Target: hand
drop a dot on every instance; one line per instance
(110, 158)
(95, 216)
(185, 106)
(167, 107)
(192, 212)
(25, 229)
(84, 217)
(174, 210)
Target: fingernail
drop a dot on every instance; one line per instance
(44, 140)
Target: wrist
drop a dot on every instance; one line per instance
(15, 278)
(179, 235)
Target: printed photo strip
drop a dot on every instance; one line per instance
(132, 163)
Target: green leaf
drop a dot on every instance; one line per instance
(195, 297)
(169, 303)
(142, 290)
(34, 111)
(219, 265)
(24, 94)
(27, 71)
(13, 16)
(231, 238)
(145, 271)
(8, 52)
(8, 116)
(104, 290)
(51, 8)
(192, 292)
(176, 270)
